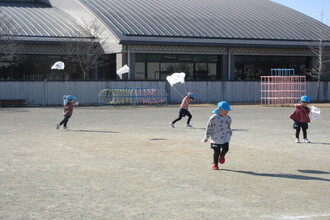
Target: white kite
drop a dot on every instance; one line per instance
(121, 71)
(59, 65)
(315, 113)
(176, 78)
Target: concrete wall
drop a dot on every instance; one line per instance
(51, 93)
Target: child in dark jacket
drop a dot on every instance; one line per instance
(301, 118)
(67, 110)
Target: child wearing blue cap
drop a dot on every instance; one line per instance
(67, 111)
(301, 118)
(218, 128)
(184, 109)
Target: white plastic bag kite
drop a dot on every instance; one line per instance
(315, 113)
(176, 78)
(121, 71)
(59, 65)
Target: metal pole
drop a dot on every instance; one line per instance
(129, 62)
(229, 64)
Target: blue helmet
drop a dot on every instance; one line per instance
(215, 111)
(192, 95)
(305, 98)
(222, 105)
(68, 97)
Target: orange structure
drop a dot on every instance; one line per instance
(281, 90)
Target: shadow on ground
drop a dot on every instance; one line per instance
(91, 131)
(239, 129)
(314, 171)
(320, 143)
(279, 175)
(158, 139)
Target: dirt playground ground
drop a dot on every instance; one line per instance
(128, 163)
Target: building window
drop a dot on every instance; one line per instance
(140, 71)
(250, 68)
(169, 68)
(153, 71)
(38, 68)
(200, 72)
(158, 66)
(212, 71)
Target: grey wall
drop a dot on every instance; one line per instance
(51, 93)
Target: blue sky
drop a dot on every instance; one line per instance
(312, 8)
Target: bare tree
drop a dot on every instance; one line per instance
(87, 50)
(318, 68)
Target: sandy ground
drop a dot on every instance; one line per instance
(128, 163)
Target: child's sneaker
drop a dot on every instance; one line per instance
(65, 127)
(306, 140)
(214, 166)
(172, 125)
(58, 126)
(188, 126)
(222, 159)
(297, 140)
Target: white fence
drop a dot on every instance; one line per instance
(51, 93)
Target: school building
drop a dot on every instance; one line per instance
(222, 46)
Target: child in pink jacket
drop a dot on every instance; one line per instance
(184, 109)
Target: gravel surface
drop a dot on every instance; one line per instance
(128, 163)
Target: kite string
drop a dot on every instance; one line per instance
(177, 91)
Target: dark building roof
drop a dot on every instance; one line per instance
(208, 21)
(169, 22)
(37, 22)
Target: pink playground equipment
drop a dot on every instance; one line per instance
(282, 87)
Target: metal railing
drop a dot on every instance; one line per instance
(282, 90)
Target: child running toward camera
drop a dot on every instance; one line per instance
(301, 118)
(218, 128)
(184, 109)
(67, 111)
